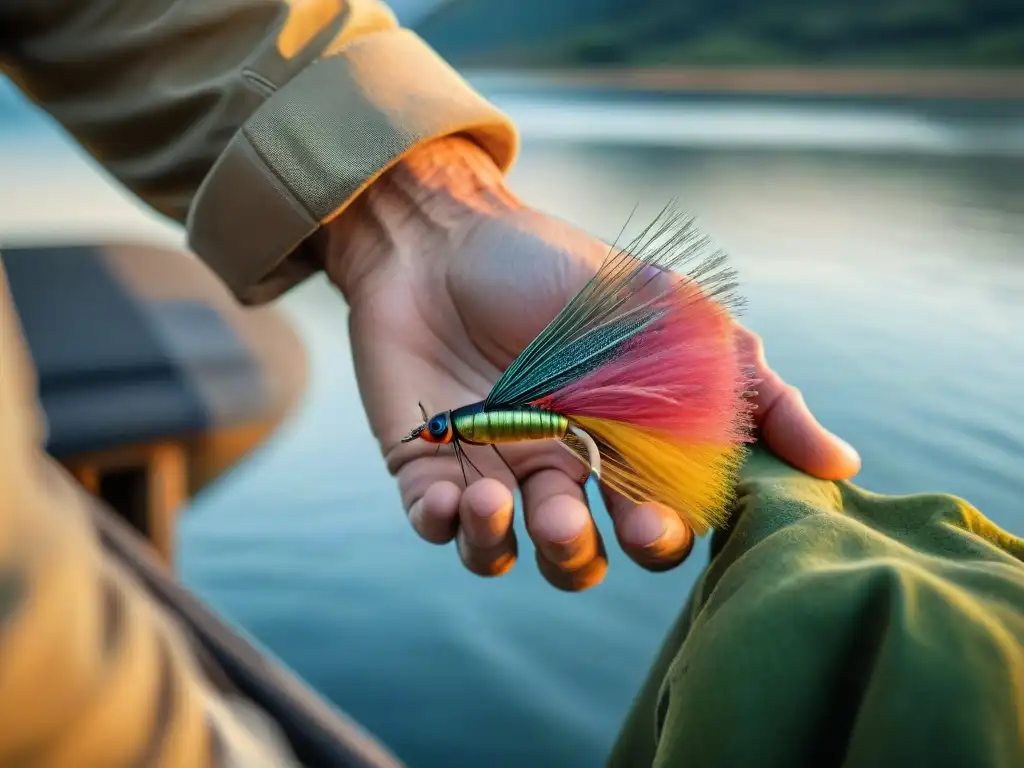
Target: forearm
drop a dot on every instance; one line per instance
(254, 120)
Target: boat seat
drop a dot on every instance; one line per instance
(153, 380)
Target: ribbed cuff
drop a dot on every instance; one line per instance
(321, 140)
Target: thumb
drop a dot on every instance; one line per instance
(787, 425)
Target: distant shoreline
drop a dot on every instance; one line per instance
(991, 84)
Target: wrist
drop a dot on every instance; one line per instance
(425, 203)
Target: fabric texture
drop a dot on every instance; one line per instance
(91, 673)
(254, 121)
(836, 627)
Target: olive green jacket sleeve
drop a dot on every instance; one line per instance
(836, 627)
(253, 120)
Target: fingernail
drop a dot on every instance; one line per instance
(489, 527)
(562, 532)
(563, 529)
(644, 527)
(850, 452)
(486, 510)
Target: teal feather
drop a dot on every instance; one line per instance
(593, 328)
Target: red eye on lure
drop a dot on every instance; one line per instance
(638, 376)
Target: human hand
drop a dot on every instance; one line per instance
(448, 277)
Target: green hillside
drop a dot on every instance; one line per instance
(559, 33)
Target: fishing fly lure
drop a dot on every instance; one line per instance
(638, 377)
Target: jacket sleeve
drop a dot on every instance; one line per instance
(254, 121)
(837, 627)
(92, 672)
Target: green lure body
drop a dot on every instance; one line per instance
(474, 425)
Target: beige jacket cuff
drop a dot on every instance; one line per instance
(318, 142)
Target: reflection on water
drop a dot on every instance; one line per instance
(837, 128)
(887, 288)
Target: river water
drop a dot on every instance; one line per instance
(881, 250)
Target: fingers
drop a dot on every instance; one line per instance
(787, 425)
(479, 518)
(653, 536)
(569, 550)
(434, 516)
(485, 538)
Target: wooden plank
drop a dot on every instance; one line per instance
(164, 466)
(168, 493)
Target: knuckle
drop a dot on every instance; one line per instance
(792, 394)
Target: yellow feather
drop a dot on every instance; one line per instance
(695, 480)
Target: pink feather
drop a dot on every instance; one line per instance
(680, 376)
